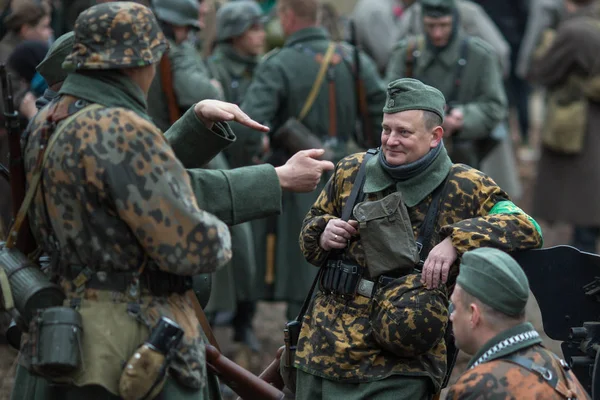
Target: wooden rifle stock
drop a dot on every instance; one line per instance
(241, 381)
(16, 165)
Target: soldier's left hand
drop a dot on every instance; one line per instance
(438, 263)
(211, 111)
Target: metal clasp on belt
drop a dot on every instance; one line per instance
(365, 288)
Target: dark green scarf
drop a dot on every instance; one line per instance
(109, 88)
(416, 187)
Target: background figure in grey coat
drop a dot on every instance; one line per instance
(543, 15)
(568, 185)
(377, 27)
(473, 20)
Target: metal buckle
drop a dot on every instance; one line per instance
(365, 288)
(419, 247)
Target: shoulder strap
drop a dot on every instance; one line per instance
(462, 62)
(357, 186)
(314, 91)
(545, 373)
(426, 231)
(37, 175)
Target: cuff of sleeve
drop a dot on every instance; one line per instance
(252, 203)
(193, 143)
(315, 254)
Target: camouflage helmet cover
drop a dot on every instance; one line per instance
(407, 318)
(236, 17)
(177, 12)
(116, 35)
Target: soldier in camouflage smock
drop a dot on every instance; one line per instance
(388, 330)
(117, 213)
(489, 323)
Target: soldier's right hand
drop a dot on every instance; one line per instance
(303, 171)
(337, 233)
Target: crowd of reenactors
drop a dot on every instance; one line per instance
(182, 160)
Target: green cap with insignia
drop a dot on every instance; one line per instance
(411, 94)
(438, 8)
(495, 279)
(51, 66)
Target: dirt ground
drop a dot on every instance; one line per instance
(270, 317)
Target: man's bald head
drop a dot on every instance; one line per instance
(305, 10)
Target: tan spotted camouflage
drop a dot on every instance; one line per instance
(337, 339)
(502, 380)
(116, 35)
(116, 195)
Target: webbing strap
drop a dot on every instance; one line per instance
(314, 91)
(37, 175)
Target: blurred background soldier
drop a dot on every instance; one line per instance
(543, 15)
(377, 27)
(467, 72)
(240, 43)
(568, 183)
(510, 16)
(279, 91)
(472, 19)
(182, 79)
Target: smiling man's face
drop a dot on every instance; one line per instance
(405, 137)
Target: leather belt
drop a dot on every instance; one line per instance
(368, 288)
(158, 283)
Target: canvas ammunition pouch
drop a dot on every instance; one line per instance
(386, 235)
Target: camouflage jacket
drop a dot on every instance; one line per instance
(113, 195)
(492, 376)
(337, 340)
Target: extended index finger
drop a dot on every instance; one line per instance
(244, 119)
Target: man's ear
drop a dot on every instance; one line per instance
(475, 315)
(437, 136)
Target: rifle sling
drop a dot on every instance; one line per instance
(357, 187)
(166, 79)
(11, 241)
(314, 91)
(191, 296)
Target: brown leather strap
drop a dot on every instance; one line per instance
(314, 91)
(11, 241)
(332, 110)
(166, 79)
(202, 319)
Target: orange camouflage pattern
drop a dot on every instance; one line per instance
(115, 196)
(337, 339)
(503, 380)
(116, 35)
